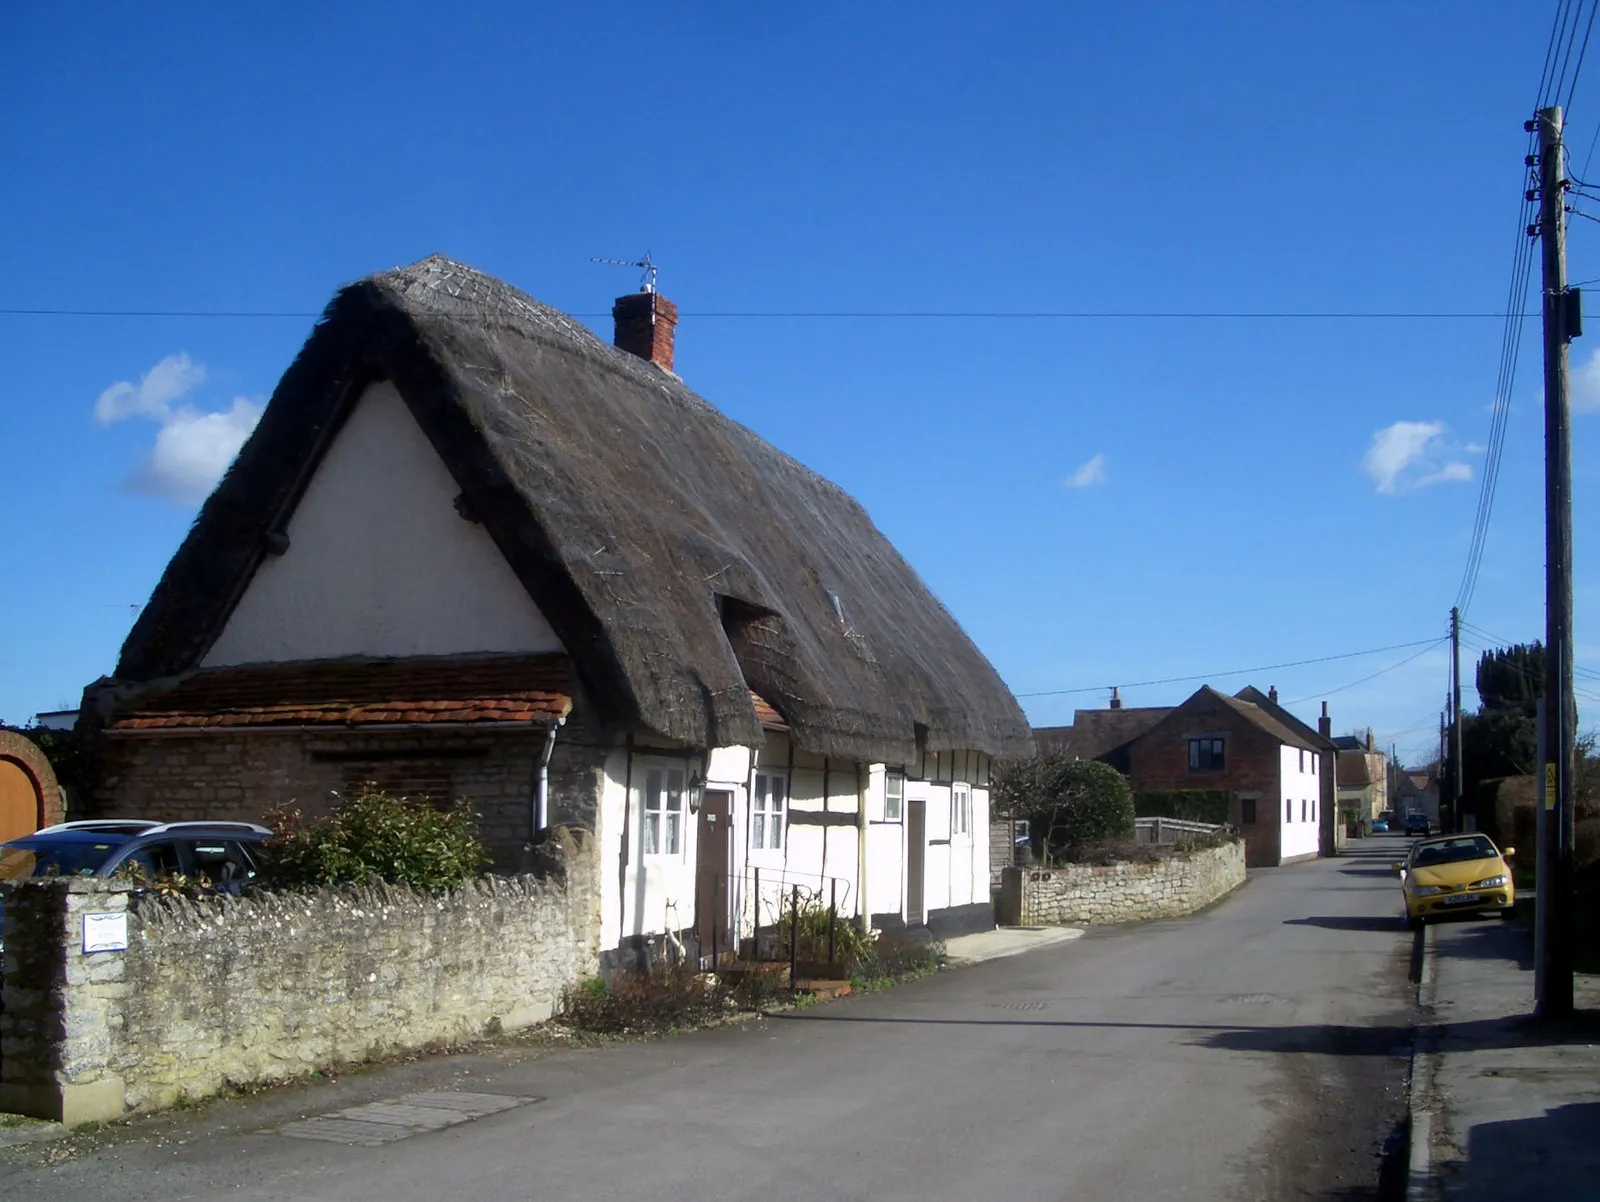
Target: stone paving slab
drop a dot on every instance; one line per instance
(384, 1122)
(1005, 941)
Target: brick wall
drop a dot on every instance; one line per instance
(236, 991)
(240, 776)
(1159, 759)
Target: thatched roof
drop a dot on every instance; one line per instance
(682, 560)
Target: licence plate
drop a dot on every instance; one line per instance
(1461, 899)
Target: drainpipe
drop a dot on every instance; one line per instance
(861, 847)
(542, 814)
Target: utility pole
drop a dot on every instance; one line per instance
(1562, 322)
(1457, 756)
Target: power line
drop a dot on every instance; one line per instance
(913, 314)
(1373, 676)
(1298, 663)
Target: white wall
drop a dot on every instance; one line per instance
(379, 562)
(646, 895)
(1300, 791)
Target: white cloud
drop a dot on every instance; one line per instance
(1586, 385)
(1450, 473)
(192, 451)
(1087, 476)
(1407, 456)
(193, 447)
(170, 380)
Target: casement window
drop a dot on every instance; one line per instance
(767, 811)
(1206, 755)
(1247, 811)
(663, 811)
(1313, 763)
(1302, 759)
(1288, 811)
(960, 809)
(1305, 807)
(894, 796)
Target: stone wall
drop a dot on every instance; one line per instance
(229, 992)
(1082, 894)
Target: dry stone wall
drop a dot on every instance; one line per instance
(1082, 894)
(237, 991)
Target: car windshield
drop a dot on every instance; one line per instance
(1451, 851)
(78, 857)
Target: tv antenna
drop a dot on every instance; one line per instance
(647, 282)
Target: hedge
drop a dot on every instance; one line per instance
(1192, 805)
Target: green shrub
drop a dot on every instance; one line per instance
(850, 943)
(371, 835)
(1191, 805)
(1067, 802)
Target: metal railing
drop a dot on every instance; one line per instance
(757, 914)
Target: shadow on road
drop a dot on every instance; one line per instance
(1349, 922)
(1485, 940)
(1319, 1039)
(1552, 1156)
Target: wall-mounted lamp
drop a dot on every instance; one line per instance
(697, 790)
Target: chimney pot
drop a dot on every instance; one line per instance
(1116, 699)
(1272, 693)
(1369, 738)
(1325, 723)
(645, 325)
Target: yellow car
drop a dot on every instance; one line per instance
(1455, 874)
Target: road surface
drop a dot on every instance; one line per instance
(1255, 1051)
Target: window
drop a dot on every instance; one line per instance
(1205, 755)
(1288, 811)
(1314, 763)
(1304, 806)
(1302, 759)
(960, 809)
(1247, 811)
(663, 812)
(766, 816)
(894, 794)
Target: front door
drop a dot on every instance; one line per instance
(713, 873)
(916, 860)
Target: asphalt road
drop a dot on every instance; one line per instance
(1256, 1051)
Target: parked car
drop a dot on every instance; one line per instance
(1417, 824)
(1455, 874)
(1380, 826)
(223, 854)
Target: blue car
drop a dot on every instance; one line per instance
(1380, 826)
(223, 854)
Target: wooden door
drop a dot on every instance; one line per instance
(19, 802)
(713, 873)
(916, 862)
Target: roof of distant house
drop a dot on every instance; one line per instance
(682, 560)
(1095, 732)
(1266, 704)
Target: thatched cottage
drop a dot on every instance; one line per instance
(473, 551)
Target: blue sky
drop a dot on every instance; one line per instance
(835, 157)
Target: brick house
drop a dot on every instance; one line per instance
(1272, 770)
(1363, 777)
(472, 551)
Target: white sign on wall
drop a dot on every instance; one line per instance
(105, 933)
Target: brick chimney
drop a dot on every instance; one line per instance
(1325, 723)
(645, 323)
(1369, 738)
(1272, 693)
(1116, 698)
